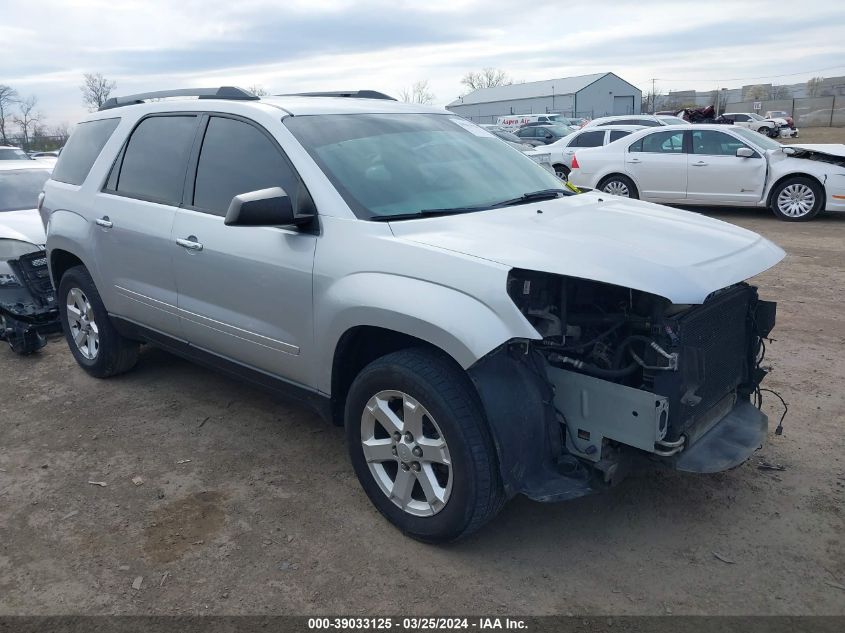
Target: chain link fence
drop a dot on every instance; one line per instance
(807, 112)
(37, 143)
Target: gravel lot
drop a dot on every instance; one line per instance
(267, 517)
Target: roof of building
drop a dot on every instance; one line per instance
(530, 89)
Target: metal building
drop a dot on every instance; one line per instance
(587, 96)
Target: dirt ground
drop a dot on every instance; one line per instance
(249, 506)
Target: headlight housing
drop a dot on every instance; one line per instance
(12, 249)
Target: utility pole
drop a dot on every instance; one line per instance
(652, 95)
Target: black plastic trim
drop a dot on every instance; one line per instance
(517, 400)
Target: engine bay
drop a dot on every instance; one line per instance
(693, 363)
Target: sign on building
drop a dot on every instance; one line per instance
(758, 105)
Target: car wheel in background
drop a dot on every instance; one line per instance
(561, 171)
(619, 185)
(95, 344)
(797, 199)
(420, 446)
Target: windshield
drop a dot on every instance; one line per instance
(12, 153)
(396, 164)
(557, 118)
(755, 138)
(673, 120)
(19, 188)
(756, 116)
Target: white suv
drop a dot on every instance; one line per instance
(480, 330)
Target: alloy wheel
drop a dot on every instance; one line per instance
(406, 453)
(796, 200)
(83, 327)
(617, 188)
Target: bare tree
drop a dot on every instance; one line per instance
(61, 132)
(757, 93)
(486, 78)
(418, 93)
(814, 87)
(781, 92)
(27, 118)
(258, 90)
(8, 98)
(96, 90)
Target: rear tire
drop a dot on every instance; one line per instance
(797, 199)
(561, 171)
(94, 342)
(441, 482)
(619, 185)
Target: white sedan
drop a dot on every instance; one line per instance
(717, 165)
(560, 152)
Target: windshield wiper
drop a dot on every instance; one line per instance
(426, 213)
(533, 196)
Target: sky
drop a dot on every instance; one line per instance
(309, 45)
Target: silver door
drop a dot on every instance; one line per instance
(134, 217)
(245, 293)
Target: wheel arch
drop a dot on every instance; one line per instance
(797, 174)
(60, 261)
(600, 181)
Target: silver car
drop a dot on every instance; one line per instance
(481, 330)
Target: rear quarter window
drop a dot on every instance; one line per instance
(82, 149)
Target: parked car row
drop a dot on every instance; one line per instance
(717, 165)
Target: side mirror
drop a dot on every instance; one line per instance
(744, 152)
(265, 207)
(548, 135)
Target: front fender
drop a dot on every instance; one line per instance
(457, 323)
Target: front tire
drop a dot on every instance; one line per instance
(797, 199)
(420, 446)
(619, 185)
(95, 344)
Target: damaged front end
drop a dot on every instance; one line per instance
(28, 308)
(623, 375)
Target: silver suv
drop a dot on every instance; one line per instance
(480, 330)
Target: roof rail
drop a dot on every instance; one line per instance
(223, 92)
(353, 94)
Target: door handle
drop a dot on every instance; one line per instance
(700, 163)
(190, 243)
(104, 222)
(634, 160)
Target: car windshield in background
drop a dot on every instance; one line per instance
(13, 153)
(507, 136)
(19, 188)
(398, 164)
(755, 138)
(756, 116)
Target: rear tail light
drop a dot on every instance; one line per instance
(575, 164)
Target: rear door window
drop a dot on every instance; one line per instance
(82, 149)
(615, 135)
(590, 139)
(156, 158)
(660, 143)
(236, 158)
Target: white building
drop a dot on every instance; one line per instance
(588, 96)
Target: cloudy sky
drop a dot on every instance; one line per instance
(299, 45)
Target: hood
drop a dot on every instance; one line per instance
(831, 149)
(679, 255)
(25, 226)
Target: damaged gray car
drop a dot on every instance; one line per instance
(28, 308)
